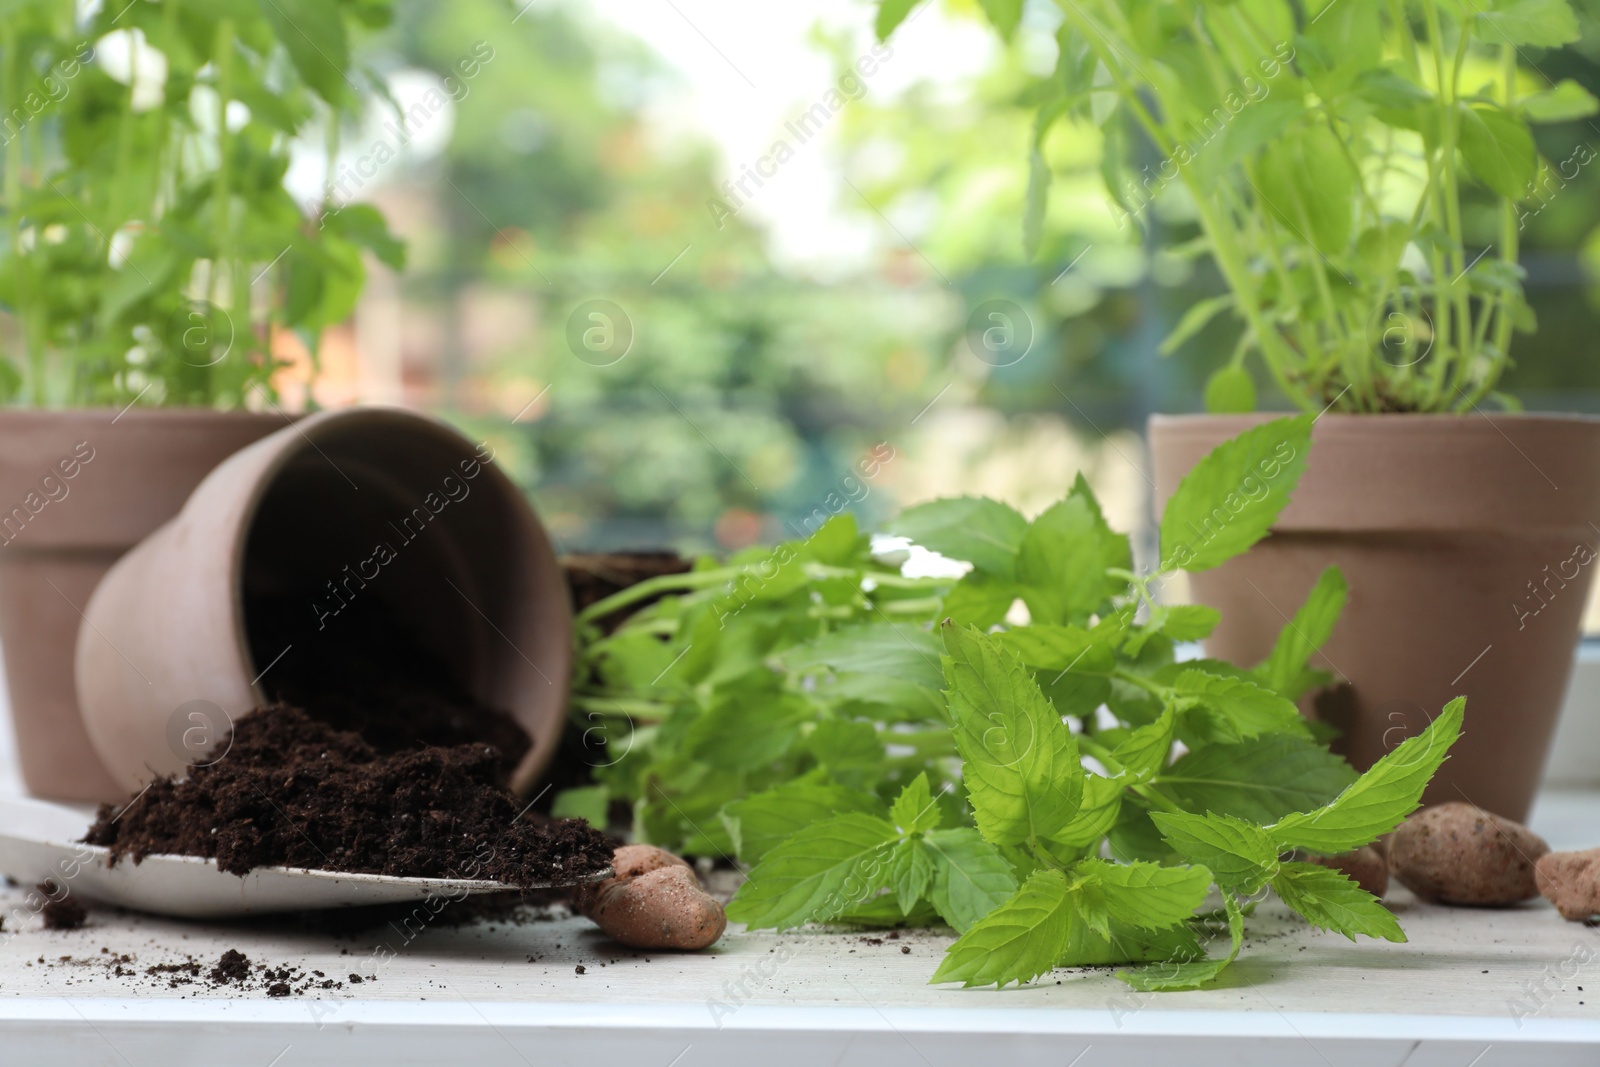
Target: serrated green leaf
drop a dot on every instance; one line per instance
(1285, 666)
(1021, 768)
(914, 810)
(823, 870)
(1241, 856)
(1145, 751)
(759, 823)
(910, 873)
(1329, 900)
(1381, 798)
(849, 750)
(1189, 974)
(1260, 780)
(970, 876)
(975, 530)
(1097, 812)
(1065, 553)
(1018, 941)
(1231, 710)
(1231, 498)
(1146, 896)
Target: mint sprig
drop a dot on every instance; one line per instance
(880, 750)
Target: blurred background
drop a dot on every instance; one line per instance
(687, 262)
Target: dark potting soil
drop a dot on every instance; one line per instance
(294, 791)
(368, 672)
(593, 576)
(64, 914)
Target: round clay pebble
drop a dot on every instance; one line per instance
(1459, 854)
(1364, 866)
(1571, 881)
(660, 909)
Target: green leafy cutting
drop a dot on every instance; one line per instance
(883, 750)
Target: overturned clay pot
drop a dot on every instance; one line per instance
(307, 543)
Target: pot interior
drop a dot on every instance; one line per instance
(381, 563)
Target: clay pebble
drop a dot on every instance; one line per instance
(654, 901)
(1457, 853)
(1365, 867)
(1571, 881)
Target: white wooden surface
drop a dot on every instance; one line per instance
(1471, 989)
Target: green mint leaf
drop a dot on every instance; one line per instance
(1018, 941)
(1144, 751)
(1540, 23)
(910, 873)
(915, 810)
(588, 802)
(1200, 313)
(1330, 901)
(759, 823)
(1230, 710)
(1134, 837)
(1284, 669)
(1047, 647)
(1231, 390)
(825, 869)
(898, 650)
(1260, 780)
(1146, 896)
(1190, 622)
(1021, 768)
(1064, 557)
(1180, 973)
(1231, 498)
(1086, 947)
(1241, 857)
(1097, 812)
(1565, 101)
(1381, 798)
(892, 13)
(984, 533)
(1499, 148)
(1003, 15)
(729, 738)
(980, 599)
(849, 750)
(970, 878)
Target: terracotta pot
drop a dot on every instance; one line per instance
(77, 490)
(382, 511)
(1468, 543)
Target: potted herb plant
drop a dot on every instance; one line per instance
(1331, 155)
(150, 254)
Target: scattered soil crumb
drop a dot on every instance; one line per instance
(63, 914)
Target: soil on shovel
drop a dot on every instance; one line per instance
(293, 791)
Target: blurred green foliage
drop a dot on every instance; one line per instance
(150, 245)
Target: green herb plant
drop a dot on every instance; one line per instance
(884, 750)
(1331, 153)
(150, 248)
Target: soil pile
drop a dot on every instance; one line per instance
(294, 791)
